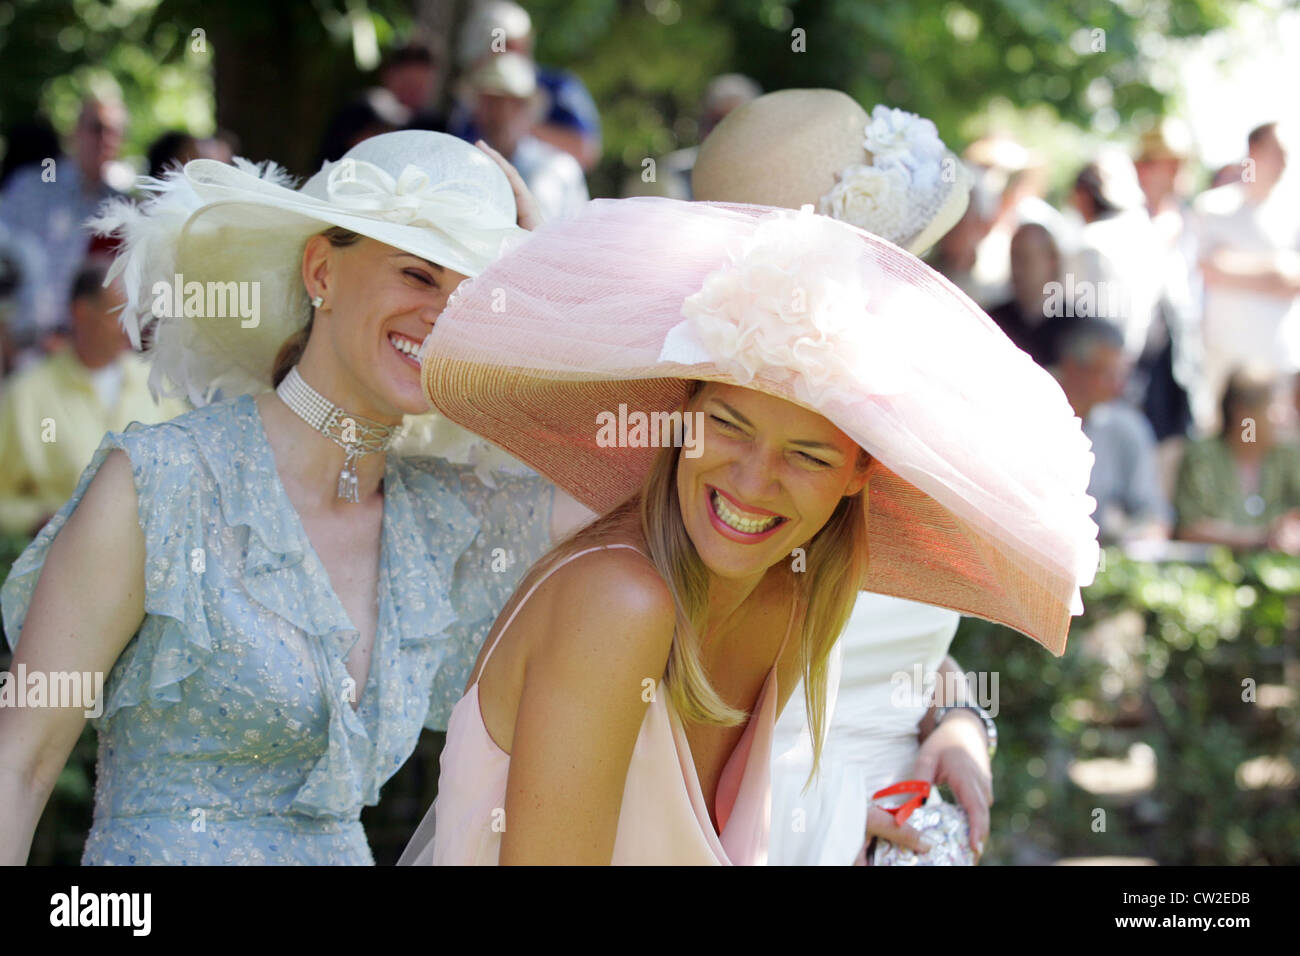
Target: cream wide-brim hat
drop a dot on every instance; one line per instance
(790, 148)
(426, 193)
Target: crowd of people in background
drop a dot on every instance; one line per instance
(1169, 318)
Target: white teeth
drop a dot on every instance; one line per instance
(735, 519)
(405, 346)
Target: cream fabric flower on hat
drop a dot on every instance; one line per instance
(792, 303)
(870, 197)
(901, 192)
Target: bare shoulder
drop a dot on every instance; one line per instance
(115, 477)
(615, 577)
(609, 608)
(107, 512)
(89, 598)
(102, 537)
(603, 632)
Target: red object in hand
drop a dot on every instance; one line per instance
(920, 788)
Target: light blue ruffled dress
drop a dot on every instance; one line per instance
(227, 735)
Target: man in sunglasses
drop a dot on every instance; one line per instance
(43, 207)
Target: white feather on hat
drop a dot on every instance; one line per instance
(182, 363)
(246, 224)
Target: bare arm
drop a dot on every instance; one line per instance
(87, 606)
(941, 697)
(1217, 531)
(956, 753)
(1277, 274)
(580, 711)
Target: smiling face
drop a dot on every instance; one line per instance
(769, 476)
(379, 305)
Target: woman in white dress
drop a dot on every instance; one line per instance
(873, 737)
(888, 173)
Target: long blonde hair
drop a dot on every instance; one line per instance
(835, 565)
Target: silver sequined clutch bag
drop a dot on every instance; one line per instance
(944, 826)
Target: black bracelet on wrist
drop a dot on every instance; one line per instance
(990, 728)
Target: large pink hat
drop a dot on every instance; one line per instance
(978, 492)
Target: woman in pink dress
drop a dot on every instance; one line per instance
(884, 172)
(726, 386)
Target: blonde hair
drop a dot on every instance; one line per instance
(836, 560)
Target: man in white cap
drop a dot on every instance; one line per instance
(568, 118)
(505, 103)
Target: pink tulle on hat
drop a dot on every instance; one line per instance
(978, 492)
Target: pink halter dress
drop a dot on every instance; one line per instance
(664, 819)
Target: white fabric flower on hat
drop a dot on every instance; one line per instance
(794, 302)
(898, 139)
(900, 192)
(871, 198)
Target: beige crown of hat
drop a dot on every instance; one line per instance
(797, 147)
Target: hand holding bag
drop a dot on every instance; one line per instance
(944, 826)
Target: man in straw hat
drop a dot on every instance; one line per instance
(888, 173)
(1167, 372)
(623, 709)
(505, 100)
(568, 120)
(281, 601)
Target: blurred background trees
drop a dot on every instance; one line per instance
(272, 72)
(1174, 710)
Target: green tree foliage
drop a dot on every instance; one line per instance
(1193, 665)
(647, 63)
(280, 68)
(271, 72)
(53, 53)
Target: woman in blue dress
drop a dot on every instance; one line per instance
(280, 603)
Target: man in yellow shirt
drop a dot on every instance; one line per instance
(54, 413)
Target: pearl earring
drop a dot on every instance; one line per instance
(317, 302)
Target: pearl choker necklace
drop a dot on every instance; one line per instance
(357, 436)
